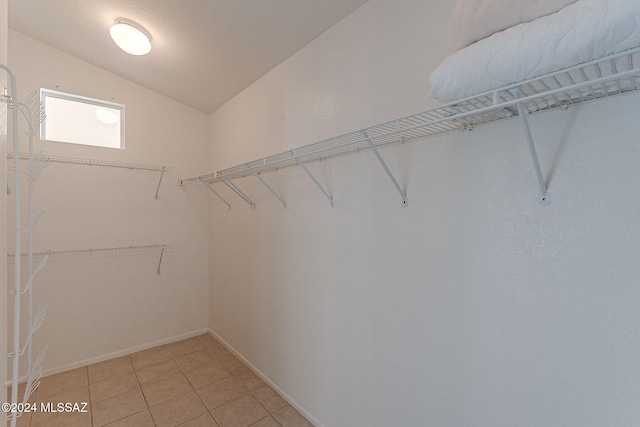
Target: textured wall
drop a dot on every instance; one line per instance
(105, 306)
(474, 306)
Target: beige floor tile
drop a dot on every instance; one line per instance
(178, 410)
(109, 368)
(165, 389)
(208, 340)
(150, 357)
(117, 408)
(205, 374)
(250, 380)
(193, 360)
(289, 417)
(241, 412)
(113, 386)
(204, 420)
(266, 422)
(141, 419)
(232, 363)
(156, 387)
(155, 372)
(65, 420)
(269, 398)
(221, 392)
(180, 348)
(219, 351)
(59, 383)
(52, 416)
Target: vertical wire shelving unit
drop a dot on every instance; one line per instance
(22, 349)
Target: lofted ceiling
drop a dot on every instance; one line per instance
(204, 51)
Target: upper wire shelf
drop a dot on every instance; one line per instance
(601, 78)
(95, 162)
(605, 77)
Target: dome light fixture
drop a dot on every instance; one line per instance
(131, 37)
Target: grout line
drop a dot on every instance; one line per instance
(209, 350)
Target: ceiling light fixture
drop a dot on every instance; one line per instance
(131, 37)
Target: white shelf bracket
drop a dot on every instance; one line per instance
(164, 168)
(522, 112)
(160, 262)
(315, 181)
(239, 192)
(216, 193)
(284, 204)
(405, 202)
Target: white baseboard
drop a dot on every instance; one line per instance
(120, 353)
(267, 380)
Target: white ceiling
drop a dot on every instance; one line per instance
(204, 51)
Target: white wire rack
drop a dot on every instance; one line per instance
(96, 252)
(602, 78)
(95, 162)
(22, 354)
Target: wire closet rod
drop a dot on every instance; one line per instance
(94, 162)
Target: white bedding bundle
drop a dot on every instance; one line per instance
(578, 32)
(474, 20)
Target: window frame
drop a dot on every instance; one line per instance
(49, 93)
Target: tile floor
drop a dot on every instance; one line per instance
(196, 382)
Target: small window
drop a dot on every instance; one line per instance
(79, 120)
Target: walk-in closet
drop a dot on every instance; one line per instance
(340, 213)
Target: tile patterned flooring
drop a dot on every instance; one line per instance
(196, 382)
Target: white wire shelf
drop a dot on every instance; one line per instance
(93, 251)
(96, 252)
(95, 162)
(602, 78)
(44, 159)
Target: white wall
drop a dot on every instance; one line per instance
(105, 306)
(3, 205)
(474, 306)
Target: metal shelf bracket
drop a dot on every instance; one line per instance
(373, 148)
(216, 193)
(257, 175)
(315, 181)
(543, 199)
(239, 192)
(160, 261)
(164, 168)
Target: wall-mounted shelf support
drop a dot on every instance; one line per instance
(522, 112)
(257, 175)
(216, 193)
(160, 261)
(239, 192)
(164, 168)
(373, 148)
(315, 181)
